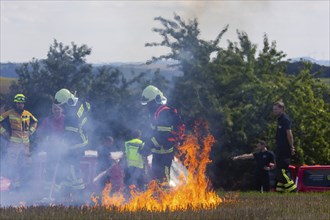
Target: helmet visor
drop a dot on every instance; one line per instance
(19, 98)
(73, 101)
(164, 100)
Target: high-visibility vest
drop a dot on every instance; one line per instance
(134, 159)
(21, 126)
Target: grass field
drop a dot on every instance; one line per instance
(247, 205)
(5, 84)
(326, 81)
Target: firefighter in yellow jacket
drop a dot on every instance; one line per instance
(17, 125)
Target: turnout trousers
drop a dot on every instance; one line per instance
(283, 181)
(161, 164)
(17, 160)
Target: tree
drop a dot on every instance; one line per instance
(234, 92)
(193, 55)
(115, 99)
(305, 101)
(65, 67)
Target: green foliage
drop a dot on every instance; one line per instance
(193, 55)
(65, 67)
(311, 116)
(115, 100)
(234, 92)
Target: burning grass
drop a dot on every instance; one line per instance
(193, 193)
(247, 205)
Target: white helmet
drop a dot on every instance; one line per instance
(64, 96)
(152, 93)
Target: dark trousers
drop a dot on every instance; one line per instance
(161, 164)
(262, 180)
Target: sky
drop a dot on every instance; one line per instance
(117, 31)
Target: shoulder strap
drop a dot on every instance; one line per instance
(159, 110)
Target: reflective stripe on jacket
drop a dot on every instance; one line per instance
(165, 125)
(20, 126)
(74, 123)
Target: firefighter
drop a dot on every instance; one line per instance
(165, 133)
(284, 149)
(17, 125)
(135, 163)
(69, 180)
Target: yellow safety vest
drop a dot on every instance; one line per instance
(134, 159)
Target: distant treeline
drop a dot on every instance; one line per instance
(9, 69)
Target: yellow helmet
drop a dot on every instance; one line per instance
(64, 96)
(19, 98)
(153, 93)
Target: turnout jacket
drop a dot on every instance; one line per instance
(167, 130)
(18, 126)
(75, 125)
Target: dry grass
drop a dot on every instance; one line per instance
(237, 206)
(5, 84)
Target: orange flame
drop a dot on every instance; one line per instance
(194, 194)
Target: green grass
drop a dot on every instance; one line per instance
(247, 205)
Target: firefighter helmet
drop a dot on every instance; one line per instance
(153, 93)
(64, 96)
(19, 98)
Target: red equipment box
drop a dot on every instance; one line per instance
(313, 178)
